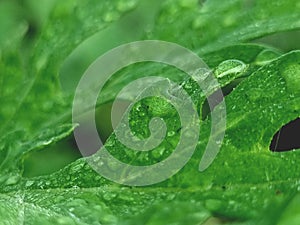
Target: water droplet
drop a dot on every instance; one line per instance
(98, 178)
(201, 74)
(124, 6)
(158, 152)
(229, 21)
(124, 196)
(141, 114)
(110, 17)
(171, 133)
(292, 96)
(266, 56)
(188, 3)
(12, 180)
(109, 196)
(41, 62)
(187, 85)
(291, 74)
(230, 68)
(76, 168)
(170, 197)
(198, 23)
(138, 108)
(213, 204)
(29, 183)
(64, 220)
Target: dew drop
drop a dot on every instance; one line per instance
(171, 133)
(109, 196)
(12, 180)
(110, 17)
(188, 3)
(213, 204)
(291, 74)
(265, 57)
(141, 114)
(41, 62)
(158, 152)
(76, 168)
(198, 23)
(171, 197)
(188, 85)
(29, 183)
(229, 68)
(124, 6)
(64, 220)
(229, 21)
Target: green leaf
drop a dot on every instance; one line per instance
(12, 25)
(263, 178)
(290, 213)
(244, 181)
(30, 91)
(173, 213)
(14, 146)
(41, 94)
(212, 25)
(248, 54)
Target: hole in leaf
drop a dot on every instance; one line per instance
(287, 138)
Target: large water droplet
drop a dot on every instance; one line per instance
(230, 68)
(291, 74)
(29, 183)
(12, 180)
(213, 204)
(188, 3)
(109, 195)
(266, 56)
(124, 6)
(76, 168)
(171, 133)
(229, 21)
(158, 152)
(110, 17)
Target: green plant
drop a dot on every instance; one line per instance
(246, 184)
